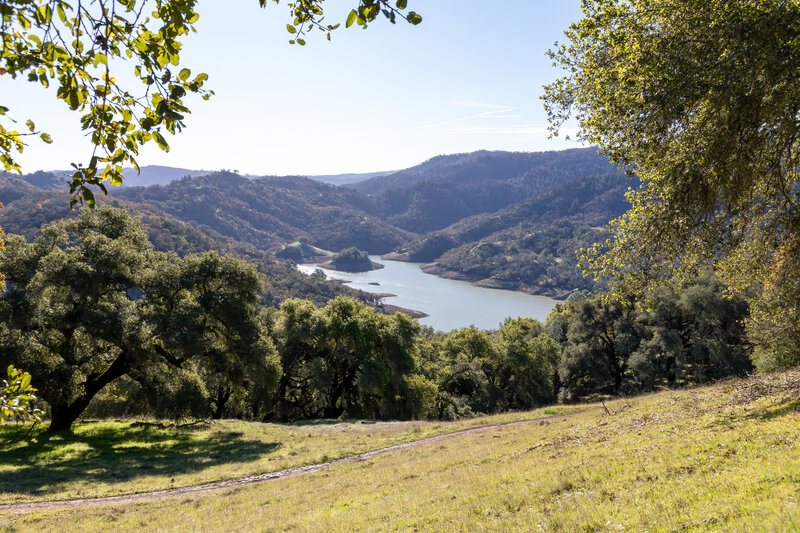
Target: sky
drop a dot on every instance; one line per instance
(469, 77)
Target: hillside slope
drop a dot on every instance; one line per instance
(272, 211)
(446, 189)
(531, 245)
(723, 457)
(28, 208)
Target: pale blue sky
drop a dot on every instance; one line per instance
(468, 78)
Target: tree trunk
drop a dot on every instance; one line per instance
(62, 416)
(222, 397)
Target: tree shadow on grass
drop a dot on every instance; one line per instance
(116, 454)
(776, 410)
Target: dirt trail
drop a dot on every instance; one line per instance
(232, 483)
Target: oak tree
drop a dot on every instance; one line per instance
(699, 99)
(89, 302)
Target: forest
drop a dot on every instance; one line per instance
(111, 327)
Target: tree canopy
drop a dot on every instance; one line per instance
(82, 50)
(699, 99)
(89, 302)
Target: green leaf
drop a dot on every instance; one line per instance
(414, 18)
(184, 74)
(351, 18)
(160, 141)
(290, 28)
(401, 4)
(88, 196)
(46, 138)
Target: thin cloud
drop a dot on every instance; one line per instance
(502, 113)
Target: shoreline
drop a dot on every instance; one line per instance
(330, 266)
(435, 269)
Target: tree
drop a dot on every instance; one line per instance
(774, 322)
(525, 368)
(346, 360)
(81, 49)
(690, 337)
(352, 260)
(463, 385)
(89, 302)
(600, 335)
(697, 98)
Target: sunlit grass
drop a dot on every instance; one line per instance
(721, 458)
(122, 457)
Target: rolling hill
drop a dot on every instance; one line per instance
(446, 189)
(270, 212)
(500, 219)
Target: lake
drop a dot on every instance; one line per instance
(451, 304)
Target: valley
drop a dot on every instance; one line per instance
(505, 220)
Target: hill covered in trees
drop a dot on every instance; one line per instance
(502, 219)
(530, 245)
(271, 211)
(26, 214)
(446, 189)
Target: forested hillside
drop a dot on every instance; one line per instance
(530, 245)
(502, 219)
(25, 216)
(446, 189)
(272, 211)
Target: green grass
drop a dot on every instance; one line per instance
(722, 458)
(123, 457)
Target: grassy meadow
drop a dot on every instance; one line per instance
(721, 458)
(111, 458)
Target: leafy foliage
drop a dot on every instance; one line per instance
(90, 302)
(352, 260)
(80, 50)
(699, 100)
(17, 397)
(774, 323)
(346, 360)
(613, 346)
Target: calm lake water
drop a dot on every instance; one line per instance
(451, 304)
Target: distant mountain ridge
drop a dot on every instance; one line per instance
(348, 179)
(270, 212)
(446, 189)
(149, 175)
(502, 219)
(484, 165)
